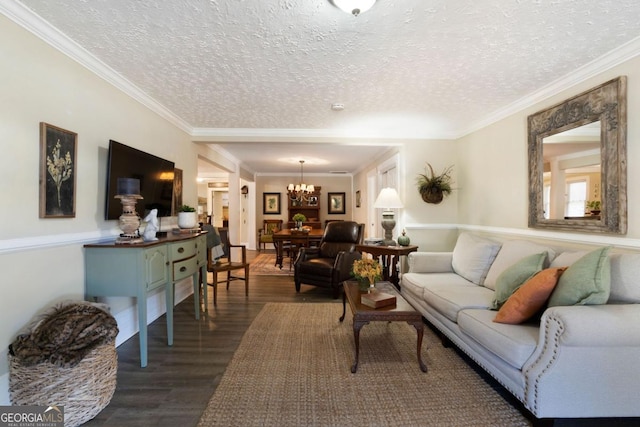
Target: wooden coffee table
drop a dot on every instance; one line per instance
(402, 311)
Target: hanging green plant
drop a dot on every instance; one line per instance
(434, 187)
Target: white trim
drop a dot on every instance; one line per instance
(563, 237)
(33, 23)
(606, 62)
(26, 18)
(127, 319)
(43, 242)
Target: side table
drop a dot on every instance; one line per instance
(389, 257)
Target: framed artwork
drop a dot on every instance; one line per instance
(177, 191)
(336, 203)
(313, 200)
(271, 203)
(358, 199)
(58, 167)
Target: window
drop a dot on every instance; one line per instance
(576, 197)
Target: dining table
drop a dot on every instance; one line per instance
(294, 240)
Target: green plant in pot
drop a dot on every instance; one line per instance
(433, 188)
(299, 219)
(187, 217)
(594, 206)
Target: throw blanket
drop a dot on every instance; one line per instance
(65, 336)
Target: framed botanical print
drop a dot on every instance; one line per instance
(336, 203)
(58, 167)
(271, 203)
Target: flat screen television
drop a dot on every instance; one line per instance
(155, 175)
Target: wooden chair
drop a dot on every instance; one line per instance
(227, 264)
(265, 235)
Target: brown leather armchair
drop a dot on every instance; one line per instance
(329, 264)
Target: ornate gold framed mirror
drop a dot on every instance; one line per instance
(578, 157)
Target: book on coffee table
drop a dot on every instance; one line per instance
(377, 299)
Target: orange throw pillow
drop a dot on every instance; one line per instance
(530, 297)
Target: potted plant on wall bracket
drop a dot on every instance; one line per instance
(433, 188)
(187, 217)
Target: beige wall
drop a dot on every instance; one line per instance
(42, 259)
(329, 184)
(492, 162)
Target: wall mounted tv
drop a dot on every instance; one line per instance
(155, 175)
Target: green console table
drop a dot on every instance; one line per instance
(135, 270)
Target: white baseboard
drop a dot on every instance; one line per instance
(127, 324)
(156, 306)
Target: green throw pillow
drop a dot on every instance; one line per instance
(513, 277)
(586, 282)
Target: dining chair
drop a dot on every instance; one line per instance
(265, 235)
(227, 263)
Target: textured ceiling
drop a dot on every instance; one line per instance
(405, 68)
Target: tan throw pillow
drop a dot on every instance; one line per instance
(530, 297)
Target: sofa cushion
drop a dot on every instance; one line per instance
(586, 281)
(512, 343)
(449, 299)
(472, 257)
(625, 272)
(513, 277)
(565, 259)
(529, 298)
(511, 252)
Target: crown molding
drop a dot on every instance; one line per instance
(604, 63)
(337, 136)
(33, 23)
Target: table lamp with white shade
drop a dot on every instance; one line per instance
(388, 199)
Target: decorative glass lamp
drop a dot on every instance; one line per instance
(388, 199)
(128, 191)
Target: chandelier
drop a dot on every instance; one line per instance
(302, 191)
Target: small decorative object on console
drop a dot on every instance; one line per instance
(375, 299)
(187, 217)
(129, 221)
(404, 239)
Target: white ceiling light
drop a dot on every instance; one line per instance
(354, 7)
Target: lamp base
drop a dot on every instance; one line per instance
(388, 223)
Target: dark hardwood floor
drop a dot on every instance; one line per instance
(175, 387)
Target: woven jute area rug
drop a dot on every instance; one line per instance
(292, 368)
(263, 265)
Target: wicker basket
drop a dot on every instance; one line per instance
(84, 390)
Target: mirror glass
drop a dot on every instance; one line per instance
(577, 162)
(572, 173)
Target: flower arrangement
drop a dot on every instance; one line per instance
(299, 217)
(367, 268)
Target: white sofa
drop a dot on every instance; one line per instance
(579, 361)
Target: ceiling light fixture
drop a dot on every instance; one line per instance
(302, 191)
(354, 7)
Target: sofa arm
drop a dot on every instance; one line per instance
(584, 353)
(430, 262)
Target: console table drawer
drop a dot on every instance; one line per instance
(185, 268)
(183, 250)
